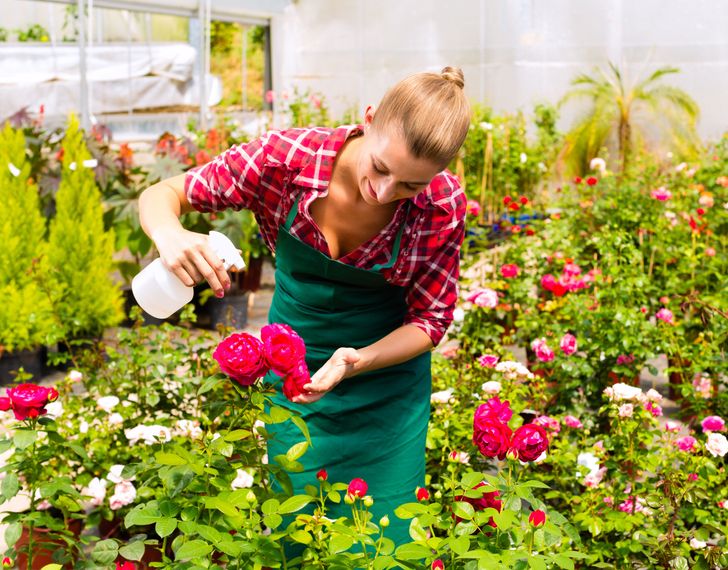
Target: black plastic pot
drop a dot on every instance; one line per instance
(32, 361)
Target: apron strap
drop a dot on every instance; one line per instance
(395, 248)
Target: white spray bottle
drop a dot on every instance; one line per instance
(160, 292)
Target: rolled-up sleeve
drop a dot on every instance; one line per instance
(433, 294)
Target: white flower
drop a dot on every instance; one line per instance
(96, 489)
(115, 419)
(593, 479)
(115, 474)
(588, 460)
(486, 126)
(697, 544)
(524, 158)
(124, 494)
(460, 457)
(75, 376)
(598, 164)
(458, 315)
(626, 410)
(188, 428)
(513, 370)
(150, 434)
(624, 392)
(54, 409)
(492, 387)
(107, 403)
(717, 444)
(133, 398)
(654, 396)
(680, 167)
(83, 426)
(442, 397)
(244, 480)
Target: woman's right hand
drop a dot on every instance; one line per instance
(189, 256)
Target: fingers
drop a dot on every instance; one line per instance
(214, 271)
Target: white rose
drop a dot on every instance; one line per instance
(697, 544)
(626, 392)
(244, 480)
(442, 397)
(115, 474)
(524, 158)
(115, 419)
(653, 395)
(96, 489)
(458, 315)
(107, 403)
(492, 387)
(124, 494)
(626, 410)
(598, 164)
(588, 460)
(75, 376)
(83, 426)
(717, 444)
(54, 409)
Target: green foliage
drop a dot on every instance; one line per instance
(80, 251)
(33, 33)
(25, 319)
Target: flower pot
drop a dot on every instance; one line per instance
(33, 361)
(44, 545)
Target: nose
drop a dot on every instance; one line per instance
(385, 189)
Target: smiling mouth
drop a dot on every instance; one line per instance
(371, 192)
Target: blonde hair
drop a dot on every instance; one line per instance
(431, 111)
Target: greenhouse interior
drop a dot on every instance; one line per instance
(340, 284)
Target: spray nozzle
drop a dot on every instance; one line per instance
(226, 251)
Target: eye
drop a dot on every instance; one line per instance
(377, 169)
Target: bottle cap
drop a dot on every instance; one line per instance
(226, 251)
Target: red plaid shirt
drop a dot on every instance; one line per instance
(268, 174)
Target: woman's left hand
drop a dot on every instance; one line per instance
(339, 366)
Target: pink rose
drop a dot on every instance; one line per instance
(491, 436)
(662, 194)
(487, 298)
(542, 350)
(509, 270)
(568, 344)
(357, 488)
(672, 427)
(571, 269)
(488, 360)
(573, 422)
(548, 282)
(686, 443)
(284, 349)
(530, 441)
(713, 423)
(295, 380)
(625, 359)
(29, 400)
(241, 356)
(473, 208)
(548, 423)
(666, 316)
(654, 409)
(710, 252)
(494, 408)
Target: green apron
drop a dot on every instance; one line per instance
(373, 425)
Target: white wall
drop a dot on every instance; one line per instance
(514, 52)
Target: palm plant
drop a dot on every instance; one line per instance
(626, 115)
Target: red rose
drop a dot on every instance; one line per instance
(494, 408)
(295, 380)
(507, 200)
(591, 181)
(537, 518)
(126, 565)
(29, 400)
(509, 270)
(5, 404)
(357, 488)
(322, 475)
(241, 356)
(438, 565)
(487, 501)
(492, 436)
(284, 349)
(530, 441)
(422, 494)
(523, 200)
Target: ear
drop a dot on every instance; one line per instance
(368, 116)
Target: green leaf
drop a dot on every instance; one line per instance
(340, 543)
(296, 451)
(12, 533)
(237, 435)
(537, 563)
(298, 421)
(301, 536)
(270, 506)
(294, 504)
(273, 521)
(279, 415)
(105, 552)
(10, 486)
(222, 506)
(463, 510)
(192, 549)
(229, 547)
(133, 550)
(209, 384)
(460, 545)
(24, 438)
(165, 458)
(209, 533)
(412, 551)
(165, 527)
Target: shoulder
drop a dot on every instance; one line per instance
(444, 197)
(294, 147)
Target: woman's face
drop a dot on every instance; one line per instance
(387, 171)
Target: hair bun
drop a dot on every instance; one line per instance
(454, 74)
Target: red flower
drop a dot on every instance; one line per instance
(530, 441)
(7, 562)
(126, 565)
(29, 400)
(577, 180)
(507, 200)
(422, 494)
(509, 270)
(295, 380)
(495, 408)
(357, 488)
(241, 356)
(515, 229)
(591, 181)
(491, 436)
(438, 565)
(487, 501)
(537, 518)
(529, 231)
(700, 211)
(5, 404)
(523, 200)
(322, 475)
(514, 206)
(284, 349)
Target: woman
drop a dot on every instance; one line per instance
(366, 227)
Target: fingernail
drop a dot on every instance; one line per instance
(227, 286)
(220, 294)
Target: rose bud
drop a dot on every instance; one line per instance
(537, 518)
(438, 565)
(322, 475)
(422, 494)
(7, 562)
(368, 501)
(357, 488)
(384, 521)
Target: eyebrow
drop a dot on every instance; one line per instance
(385, 167)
